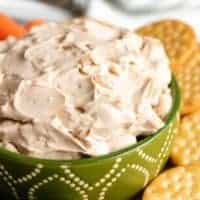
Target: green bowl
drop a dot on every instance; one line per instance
(117, 176)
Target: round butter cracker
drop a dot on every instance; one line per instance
(189, 82)
(186, 147)
(178, 38)
(180, 183)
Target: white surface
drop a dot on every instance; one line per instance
(102, 10)
(29, 9)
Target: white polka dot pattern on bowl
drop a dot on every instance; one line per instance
(85, 190)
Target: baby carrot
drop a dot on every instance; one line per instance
(9, 27)
(36, 22)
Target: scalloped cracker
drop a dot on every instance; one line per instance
(189, 81)
(180, 183)
(179, 39)
(186, 147)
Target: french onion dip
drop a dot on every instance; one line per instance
(81, 88)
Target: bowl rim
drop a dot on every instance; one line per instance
(20, 158)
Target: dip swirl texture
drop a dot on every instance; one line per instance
(81, 88)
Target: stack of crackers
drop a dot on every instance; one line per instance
(182, 182)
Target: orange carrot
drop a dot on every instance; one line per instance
(9, 27)
(36, 22)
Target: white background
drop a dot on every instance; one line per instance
(29, 9)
